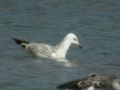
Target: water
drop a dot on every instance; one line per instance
(95, 22)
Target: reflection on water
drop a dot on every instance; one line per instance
(66, 63)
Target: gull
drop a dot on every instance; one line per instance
(47, 51)
(93, 82)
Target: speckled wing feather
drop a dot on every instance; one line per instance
(40, 49)
(99, 82)
(80, 84)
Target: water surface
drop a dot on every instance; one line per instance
(95, 22)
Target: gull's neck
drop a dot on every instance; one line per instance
(63, 47)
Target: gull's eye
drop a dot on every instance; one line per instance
(75, 39)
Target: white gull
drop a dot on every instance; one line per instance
(58, 51)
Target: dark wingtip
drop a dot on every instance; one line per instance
(81, 47)
(18, 41)
(62, 87)
(72, 85)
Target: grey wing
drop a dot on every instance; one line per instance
(80, 84)
(72, 85)
(41, 49)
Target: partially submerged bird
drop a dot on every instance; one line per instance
(47, 51)
(93, 82)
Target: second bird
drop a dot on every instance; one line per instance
(58, 51)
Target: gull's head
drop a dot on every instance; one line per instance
(73, 39)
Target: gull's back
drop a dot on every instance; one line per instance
(40, 49)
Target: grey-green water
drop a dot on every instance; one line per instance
(95, 22)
